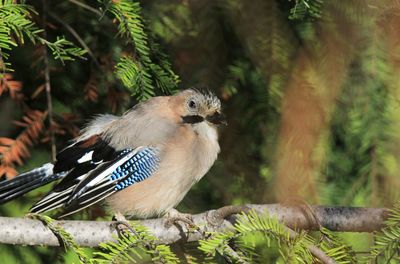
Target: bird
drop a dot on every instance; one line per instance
(141, 164)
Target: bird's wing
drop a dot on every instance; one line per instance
(96, 171)
(25, 182)
(73, 162)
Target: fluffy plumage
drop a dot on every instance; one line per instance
(141, 163)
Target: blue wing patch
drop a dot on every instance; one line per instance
(139, 167)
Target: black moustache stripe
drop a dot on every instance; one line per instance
(192, 119)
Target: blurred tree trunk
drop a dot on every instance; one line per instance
(317, 78)
(307, 99)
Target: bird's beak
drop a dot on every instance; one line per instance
(192, 119)
(217, 119)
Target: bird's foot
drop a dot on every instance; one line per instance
(173, 216)
(121, 223)
(119, 217)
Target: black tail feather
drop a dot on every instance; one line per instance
(21, 179)
(47, 204)
(23, 183)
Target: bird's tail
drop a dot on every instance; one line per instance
(25, 182)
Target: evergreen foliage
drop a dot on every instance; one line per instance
(66, 238)
(135, 248)
(335, 247)
(387, 241)
(306, 8)
(292, 250)
(138, 72)
(16, 19)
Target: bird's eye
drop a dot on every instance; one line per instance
(192, 104)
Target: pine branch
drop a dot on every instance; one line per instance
(293, 246)
(387, 241)
(13, 87)
(13, 151)
(140, 72)
(76, 36)
(16, 21)
(92, 233)
(306, 9)
(139, 241)
(64, 237)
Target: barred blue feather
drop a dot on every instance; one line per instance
(136, 169)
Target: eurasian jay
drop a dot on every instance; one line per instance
(141, 163)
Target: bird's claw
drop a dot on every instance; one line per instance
(173, 216)
(121, 223)
(119, 217)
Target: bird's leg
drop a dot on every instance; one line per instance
(119, 217)
(121, 223)
(173, 216)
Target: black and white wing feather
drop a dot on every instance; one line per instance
(77, 191)
(25, 182)
(74, 161)
(87, 171)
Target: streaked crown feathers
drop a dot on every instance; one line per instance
(209, 98)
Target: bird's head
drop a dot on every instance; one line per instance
(200, 105)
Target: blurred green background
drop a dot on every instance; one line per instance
(311, 90)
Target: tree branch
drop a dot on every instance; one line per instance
(26, 231)
(48, 86)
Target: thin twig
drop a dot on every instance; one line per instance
(233, 254)
(48, 86)
(315, 251)
(319, 254)
(76, 36)
(87, 7)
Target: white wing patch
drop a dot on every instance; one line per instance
(86, 157)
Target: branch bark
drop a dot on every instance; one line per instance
(25, 231)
